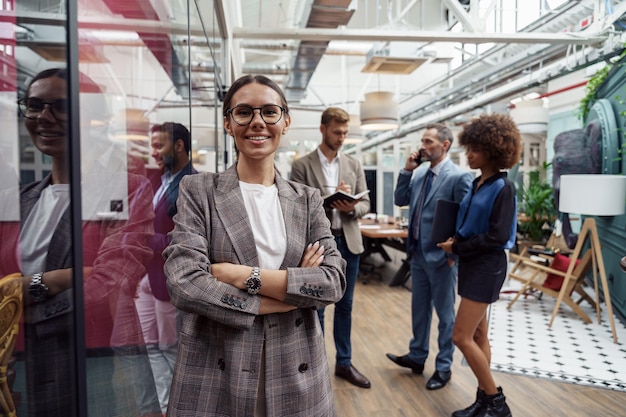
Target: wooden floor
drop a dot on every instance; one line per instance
(381, 324)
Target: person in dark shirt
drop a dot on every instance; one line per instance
(486, 227)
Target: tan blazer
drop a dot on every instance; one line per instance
(308, 170)
(222, 338)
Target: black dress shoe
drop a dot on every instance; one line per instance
(407, 362)
(438, 380)
(350, 374)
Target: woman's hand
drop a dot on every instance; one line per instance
(313, 256)
(447, 245)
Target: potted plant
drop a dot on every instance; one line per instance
(536, 205)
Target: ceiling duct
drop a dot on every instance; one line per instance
(393, 58)
(325, 14)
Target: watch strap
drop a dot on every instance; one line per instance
(253, 283)
(37, 289)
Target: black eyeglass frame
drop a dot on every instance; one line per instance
(22, 106)
(260, 109)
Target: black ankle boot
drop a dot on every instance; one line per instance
(473, 409)
(495, 406)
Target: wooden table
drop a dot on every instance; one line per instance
(375, 235)
(375, 230)
(378, 234)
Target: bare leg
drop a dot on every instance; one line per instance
(470, 336)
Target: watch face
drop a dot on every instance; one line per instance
(37, 289)
(38, 292)
(254, 284)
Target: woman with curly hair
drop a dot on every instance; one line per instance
(486, 227)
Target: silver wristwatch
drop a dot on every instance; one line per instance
(253, 283)
(37, 289)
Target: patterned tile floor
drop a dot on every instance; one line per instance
(570, 351)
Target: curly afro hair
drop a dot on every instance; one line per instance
(495, 134)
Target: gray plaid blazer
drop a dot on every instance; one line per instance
(223, 339)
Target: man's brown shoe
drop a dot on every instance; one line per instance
(350, 374)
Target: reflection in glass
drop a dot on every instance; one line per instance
(117, 229)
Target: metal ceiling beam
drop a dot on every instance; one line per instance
(515, 85)
(355, 35)
(220, 18)
(455, 7)
(373, 35)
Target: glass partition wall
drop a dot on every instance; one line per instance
(83, 83)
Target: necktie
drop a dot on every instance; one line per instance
(428, 182)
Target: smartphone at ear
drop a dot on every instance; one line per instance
(421, 157)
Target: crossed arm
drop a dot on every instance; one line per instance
(274, 286)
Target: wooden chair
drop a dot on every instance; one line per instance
(555, 244)
(10, 313)
(533, 275)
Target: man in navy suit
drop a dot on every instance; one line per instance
(171, 146)
(433, 273)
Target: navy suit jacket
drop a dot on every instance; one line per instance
(163, 224)
(452, 184)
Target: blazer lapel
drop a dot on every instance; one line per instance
(290, 203)
(437, 181)
(30, 196)
(62, 242)
(318, 175)
(231, 209)
(417, 190)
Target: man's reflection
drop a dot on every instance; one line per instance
(114, 253)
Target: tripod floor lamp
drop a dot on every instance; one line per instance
(591, 195)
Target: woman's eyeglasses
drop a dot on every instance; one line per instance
(243, 115)
(32, 107)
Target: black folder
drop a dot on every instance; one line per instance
(444, 222)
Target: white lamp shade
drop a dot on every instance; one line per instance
(593, 194)
(379, 111)
(530, 116)
(354, 133)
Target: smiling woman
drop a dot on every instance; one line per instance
(251, 260)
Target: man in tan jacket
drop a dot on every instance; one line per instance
(330, 170)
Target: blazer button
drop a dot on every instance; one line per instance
(221, 364)
(299, 321)
(303, 367)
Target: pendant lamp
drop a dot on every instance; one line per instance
(354, 133)
(379, 111)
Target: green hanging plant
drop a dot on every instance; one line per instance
(592, 87)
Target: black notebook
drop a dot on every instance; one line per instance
(340, 195)
(444, 222)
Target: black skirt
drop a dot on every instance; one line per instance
(481, 277)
